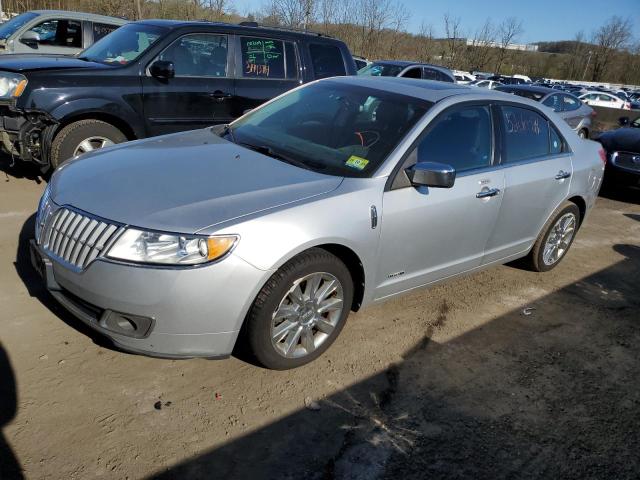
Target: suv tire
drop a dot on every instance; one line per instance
(68, 141)
(312, 327)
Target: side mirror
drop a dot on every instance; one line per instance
(431, 174)
(163, 69)
(623, 121)
(30, 39)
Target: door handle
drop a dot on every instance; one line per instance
(491, 192)
(562, 175)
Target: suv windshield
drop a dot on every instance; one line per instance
(12, 26)
(331, 127)
(124, 45)
(380, 70)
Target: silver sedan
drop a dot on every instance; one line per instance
(334, 196)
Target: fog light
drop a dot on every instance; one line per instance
(124, 324)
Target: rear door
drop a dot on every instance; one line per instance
(537, 168)
(202, 91)
(265, 68)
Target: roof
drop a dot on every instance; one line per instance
(528, 88)
(82, 15)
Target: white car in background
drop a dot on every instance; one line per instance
(463, 78)
(490, 84)
(603, 99)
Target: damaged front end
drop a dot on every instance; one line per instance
(27, 134)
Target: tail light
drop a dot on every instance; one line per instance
(627, 106)
(593, 113)
(603, 156)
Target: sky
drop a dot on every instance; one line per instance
(543, 20)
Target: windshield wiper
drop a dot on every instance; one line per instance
(266, 150)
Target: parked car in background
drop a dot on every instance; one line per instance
(361, 62)
(570, 108)
(526, 78)
(506, 80)
(153, 77)
(398, 68)
(623, 154)
(490, 84)
(54, 31)
(604, 99)
(463, 78)
(337, 195)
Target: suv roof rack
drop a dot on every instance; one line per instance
(286, 29)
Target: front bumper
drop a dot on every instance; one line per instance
(25, 135)
(182, 313)
(623, 169)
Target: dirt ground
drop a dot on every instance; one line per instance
(452, 382)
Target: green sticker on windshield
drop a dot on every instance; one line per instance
(356, 162)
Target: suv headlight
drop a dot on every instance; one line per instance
(170, 249)
(12, 84)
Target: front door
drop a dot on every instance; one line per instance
(54, 36)
(200, 94)
(431, 233)
(537, 168)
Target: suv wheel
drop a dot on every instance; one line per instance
(82, 137)
(300, 311)
(555, 239)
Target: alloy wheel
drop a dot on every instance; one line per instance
(559, 239)
(92, 143)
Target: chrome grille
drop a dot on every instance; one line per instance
(73, 237)
(626, 160)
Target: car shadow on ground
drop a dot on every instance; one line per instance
(621, 194)
(9, 466)
(36, 287)
(11, 168)
(546, 392)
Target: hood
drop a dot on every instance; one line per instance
(182, 182)
(33, 62)
(623, 139)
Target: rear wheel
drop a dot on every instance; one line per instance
(583, 133)
(555, 239)
(82, 137)
(300, 311)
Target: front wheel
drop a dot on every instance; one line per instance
(82, 137)
(555, 239)
(300, 311)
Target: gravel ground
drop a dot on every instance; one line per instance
(503, 374)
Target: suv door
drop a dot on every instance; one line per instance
(55, 36)
(265, 68)
(537, 168)
(201, 92)
(428, 234)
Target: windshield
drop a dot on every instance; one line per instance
(124, 45)
(16, 23)
(331, 127)
(380, 70)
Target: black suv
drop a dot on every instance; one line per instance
(153, 77)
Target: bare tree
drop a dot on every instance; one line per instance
(425, 45)
(453, 35)
(482, 46)
(292, 13)
(608, 40)
(508, 31)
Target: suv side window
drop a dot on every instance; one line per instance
(525, 134)
(327, 60)
(102, 30)
(268, 58)
(413, 73)
(461, 138)
(59, 33)
(198, 55)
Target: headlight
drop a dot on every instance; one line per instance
(170, 249)
(12, 84)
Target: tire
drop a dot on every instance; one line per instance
(68, 140)
(276, 296)
(583, 133)
(539, 261)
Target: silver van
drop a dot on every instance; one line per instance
(54, 31)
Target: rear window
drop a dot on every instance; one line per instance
(327, 60)
(102, 30)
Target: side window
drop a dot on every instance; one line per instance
(102, 30)
(327, 60)
(263, 58)
(460, 138)
(553, 102)
(430, 74)
(413, 73)
(569, 103)
(526, 134)
(198, 55)
(604, 98)
(556, 145)
(291, 59)
(443, 77)
(59, 33)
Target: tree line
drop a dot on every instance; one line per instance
(376, 29)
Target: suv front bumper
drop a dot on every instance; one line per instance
(25, 135)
